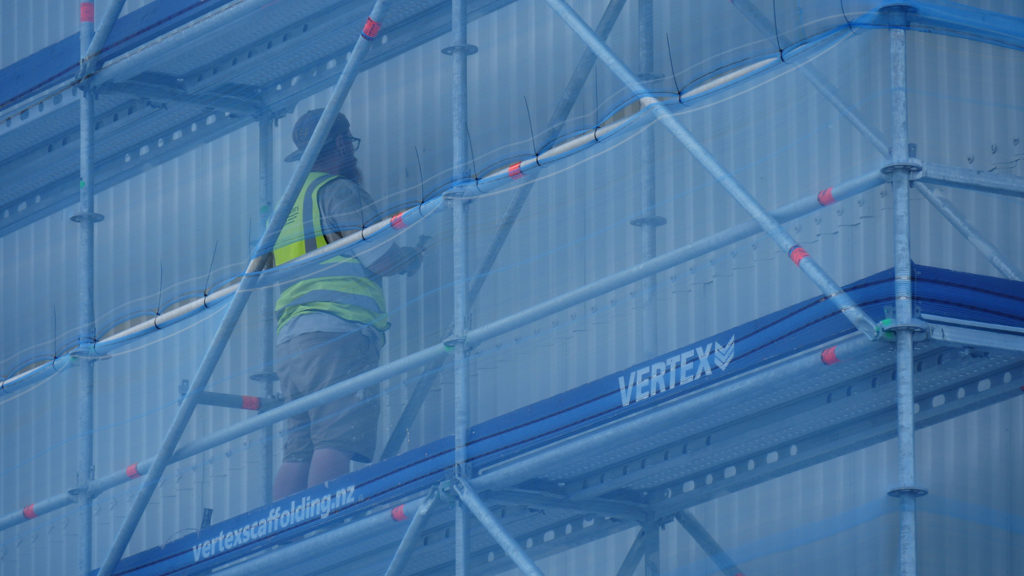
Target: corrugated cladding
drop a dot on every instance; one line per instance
(189, 224)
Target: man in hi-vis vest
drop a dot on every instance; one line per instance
(331, 319)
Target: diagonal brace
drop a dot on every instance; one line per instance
(89, 58)
(405, 546)
(770, 225)
(634, 555)
(238, 301)
(472, 501)
(708, 543)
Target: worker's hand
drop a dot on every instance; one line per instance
(410, 260)
(397, 260)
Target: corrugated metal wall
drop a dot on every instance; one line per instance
(31, 26)
(781, 140)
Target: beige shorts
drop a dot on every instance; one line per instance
(311, 362)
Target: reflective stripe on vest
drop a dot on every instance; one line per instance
(340, 286)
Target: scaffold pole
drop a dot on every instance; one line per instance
(86, 219)
(460, 51)
(648, 222)
(906, 490)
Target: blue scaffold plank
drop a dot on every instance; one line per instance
(59, 62)
(643, 386)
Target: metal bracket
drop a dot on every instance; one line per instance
(649, 221)
(908, 491)
(912, 166)
(469, 49)
(87, 217)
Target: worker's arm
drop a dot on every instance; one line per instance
(346, 209)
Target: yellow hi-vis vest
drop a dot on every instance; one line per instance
(340, 285)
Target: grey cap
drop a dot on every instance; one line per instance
(304, 127)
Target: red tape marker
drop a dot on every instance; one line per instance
(29, 511)
(87, 12)
(828, 356)
(515, 171)
(796, 254)
(825, 197)
(133, 471)
(397, 222)
(398, 513)
(370, 29)
(250, 403)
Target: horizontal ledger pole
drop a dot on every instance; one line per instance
(476, 336)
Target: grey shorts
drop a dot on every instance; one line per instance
(310, 362)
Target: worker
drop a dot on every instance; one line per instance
(331, 321)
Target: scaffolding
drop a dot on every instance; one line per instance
(803, 384)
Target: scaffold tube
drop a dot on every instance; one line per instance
(986, 248)
(943, 175)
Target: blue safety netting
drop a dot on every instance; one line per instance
(606, 275)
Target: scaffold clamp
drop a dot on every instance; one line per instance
(469, 49)
(92, 217)
(911, 491)
(912, 166)
(649, 221)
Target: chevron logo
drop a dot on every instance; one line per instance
(724, 354)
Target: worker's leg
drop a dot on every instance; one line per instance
(327, 464)
(291, 478)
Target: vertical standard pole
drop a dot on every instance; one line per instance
(569, 97)
(652, 549)
(459, 50)
(86, 218)
(266, 375)
(906, 491)
(782, 239)
(648, 221)
(249, 282)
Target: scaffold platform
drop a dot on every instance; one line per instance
(642, 445)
